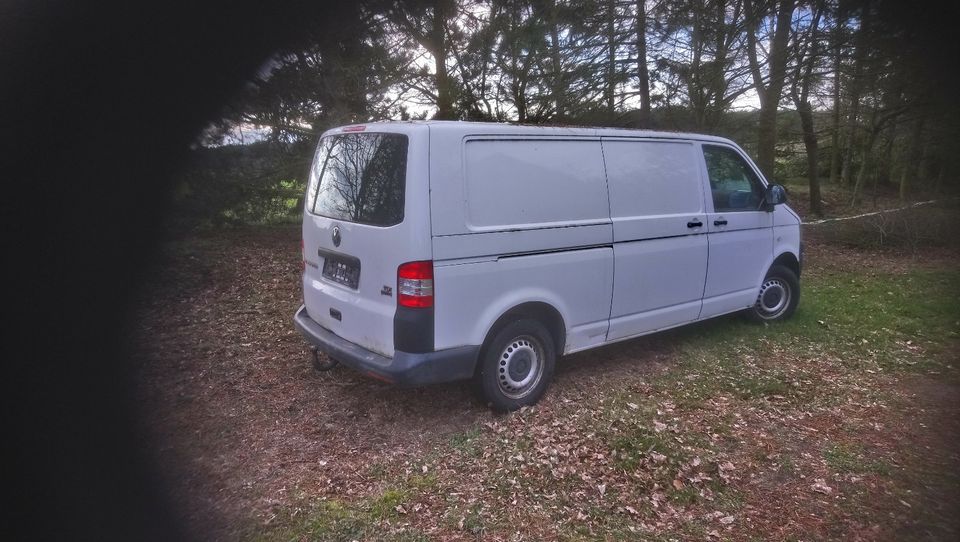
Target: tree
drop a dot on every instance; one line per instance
(643, 75)
(701, 57)
(769, 88)
(837, 40)
(428, 25)
(856, 84)
(806, 56)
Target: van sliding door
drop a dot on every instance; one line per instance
(659, 233)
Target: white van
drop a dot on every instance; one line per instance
(439, 251)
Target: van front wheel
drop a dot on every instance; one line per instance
(517, 365)
(778, 297)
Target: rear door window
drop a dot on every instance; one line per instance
(359, 178)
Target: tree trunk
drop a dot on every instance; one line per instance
(767, 140)
(862, 174)
(882, 175)
(835, 128)
(771, 93)
(887, 156)
(924, 158)
(694, 87)
(848, 150)
(810, 142)
(557, 78)
(910, 160)
(643, 77)
(519, 96)
(611, 59)
(855, 86)
(439, 39)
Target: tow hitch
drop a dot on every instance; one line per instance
(322, 363)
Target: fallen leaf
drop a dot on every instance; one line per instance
(726, 520)
(820, 486)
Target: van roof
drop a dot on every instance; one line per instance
(502, 128)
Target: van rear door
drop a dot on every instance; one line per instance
(366, 212)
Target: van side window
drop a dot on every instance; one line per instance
(734, 185)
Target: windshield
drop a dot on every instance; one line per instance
(359, 178)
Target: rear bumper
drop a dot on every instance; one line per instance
(404, 368)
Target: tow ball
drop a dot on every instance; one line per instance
(322, 363)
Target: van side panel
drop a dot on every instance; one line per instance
(577, 283)
(516, 220)
(451, 247)
(660, 254)
(533, 183)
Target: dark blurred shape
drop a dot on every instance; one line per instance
(100, 102)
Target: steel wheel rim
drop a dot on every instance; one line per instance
(520, 367)
(773, 299)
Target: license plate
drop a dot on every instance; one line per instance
(342, 271)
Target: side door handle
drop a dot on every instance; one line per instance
(696, 224)
(719, 222)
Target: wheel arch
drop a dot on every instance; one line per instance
(788, 260)
(545, 313)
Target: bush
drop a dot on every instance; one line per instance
(912, 229)
(251, 184)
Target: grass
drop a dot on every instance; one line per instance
(337, 520)
(467, 442)
(846, 458)
(639, 443)
(878, 322)
(848, 323)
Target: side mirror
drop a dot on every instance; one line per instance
(774, 195)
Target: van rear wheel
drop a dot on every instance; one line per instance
(517, 365)
(778, 297)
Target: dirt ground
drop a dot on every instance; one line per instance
(250, 437)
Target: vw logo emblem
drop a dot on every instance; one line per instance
(336, 236)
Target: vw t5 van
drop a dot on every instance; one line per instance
(441, 251)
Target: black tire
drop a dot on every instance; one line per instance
(778, 297)
(516, 365)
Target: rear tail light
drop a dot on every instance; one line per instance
(415, 284)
